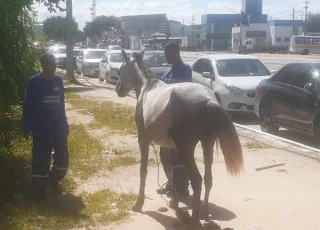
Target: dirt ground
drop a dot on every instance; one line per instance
(281, 198)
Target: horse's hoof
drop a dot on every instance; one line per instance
(173, 204)
(204, 214)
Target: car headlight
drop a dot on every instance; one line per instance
(234, 90)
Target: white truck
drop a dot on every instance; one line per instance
(189, 43)
(262, 45)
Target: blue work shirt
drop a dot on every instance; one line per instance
(177, 74)
(44, 108)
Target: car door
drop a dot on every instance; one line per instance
(277, 94)
(197, 71)
(302, 103)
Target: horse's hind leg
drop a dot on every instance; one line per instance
(207, 146)
(144, 150)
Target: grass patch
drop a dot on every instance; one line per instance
(85, 158)
(255, 146)
(115, 116)
(121, 161)
(66, 80)
(68, 211)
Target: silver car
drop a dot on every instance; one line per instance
(88, 61)
(60, 53)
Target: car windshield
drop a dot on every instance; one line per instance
(241, 67)
(117, 58)
(59, 51)
(94, 54)
(155, 60)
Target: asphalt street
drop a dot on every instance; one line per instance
(273, 63)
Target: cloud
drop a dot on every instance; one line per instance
(175, 9)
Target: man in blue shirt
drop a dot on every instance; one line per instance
(178, 73)
(45, 118)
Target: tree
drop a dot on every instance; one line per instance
(100, 24)
(313, 22)
(56, 28)
(19, 59)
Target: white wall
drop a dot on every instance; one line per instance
(282, 32)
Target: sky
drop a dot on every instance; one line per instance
(178, 10)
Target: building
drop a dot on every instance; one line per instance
(228, 31)
(138, 27)
(216, 30)
(177, 29)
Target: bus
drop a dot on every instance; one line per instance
(304, 45)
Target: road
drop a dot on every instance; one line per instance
(273, 63)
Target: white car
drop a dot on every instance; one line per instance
(233, 79)
(88, 61)
(110, 64)
(60, 53)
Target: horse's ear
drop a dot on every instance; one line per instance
(125, 56)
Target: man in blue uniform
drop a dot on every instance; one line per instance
(44, 118)
(178, 73)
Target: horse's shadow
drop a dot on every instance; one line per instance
(215, 212)
(172, 223)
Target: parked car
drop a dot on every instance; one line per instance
(60, 53)
(233, 79)
(290, 99)
(114, 47)
(110, 64)
(112, 61)
(88, 60)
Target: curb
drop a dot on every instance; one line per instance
(279, 142)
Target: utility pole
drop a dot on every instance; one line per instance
(183, 27)
(293, 14)
(192, 26)
(293, 24)
(70, 64)
(306, 16)
(93, 9)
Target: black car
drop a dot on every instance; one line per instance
(290, 98)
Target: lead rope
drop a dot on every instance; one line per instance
(158, 176)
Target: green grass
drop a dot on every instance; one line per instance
(255, 146)
(58, 212)
(117, 117)
(67, 211)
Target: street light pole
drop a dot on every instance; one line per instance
(70, 63)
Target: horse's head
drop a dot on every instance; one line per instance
(129, 73)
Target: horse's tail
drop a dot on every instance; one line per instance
(224, 128)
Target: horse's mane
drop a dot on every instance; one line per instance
(142, 67)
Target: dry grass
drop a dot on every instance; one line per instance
(115, 116)
(255, 146)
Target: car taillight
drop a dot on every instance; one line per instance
(257, 87)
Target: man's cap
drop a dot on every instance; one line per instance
(48, 59)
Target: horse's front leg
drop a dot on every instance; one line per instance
(144, 150)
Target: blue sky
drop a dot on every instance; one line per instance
(177, 9)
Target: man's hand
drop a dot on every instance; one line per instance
(27, 135)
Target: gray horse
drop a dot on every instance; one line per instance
(179, 116)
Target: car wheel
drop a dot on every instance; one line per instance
(266, 122)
